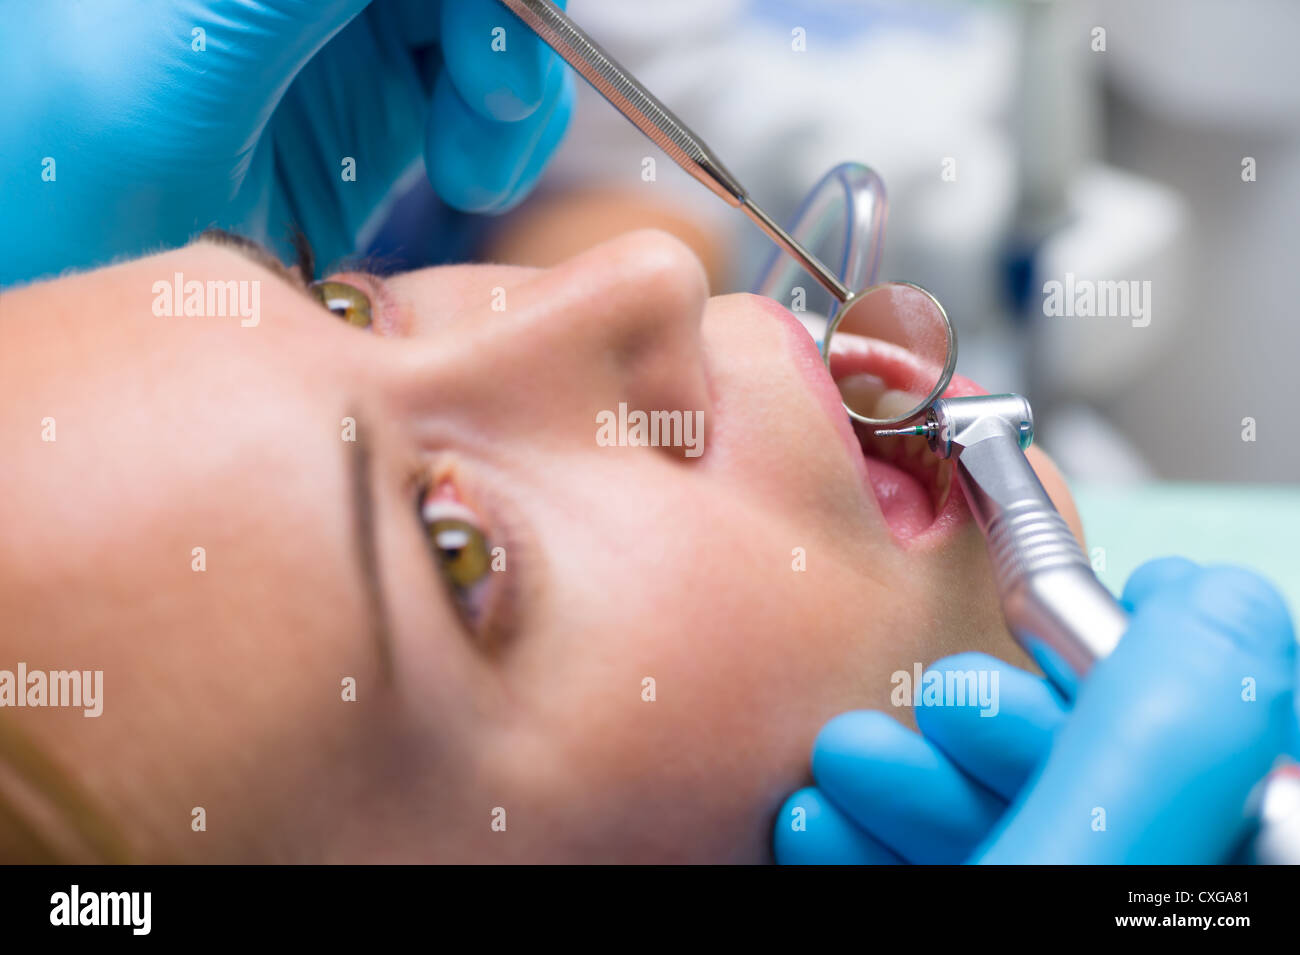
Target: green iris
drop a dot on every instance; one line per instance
(347, 302)
(462, 550)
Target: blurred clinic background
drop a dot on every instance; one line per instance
(1020, 141)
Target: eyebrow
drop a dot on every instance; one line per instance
(259, 254)
(365, 543)
(366, 546)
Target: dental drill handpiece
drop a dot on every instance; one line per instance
(1053, 603)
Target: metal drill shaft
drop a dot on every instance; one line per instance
(917, 431)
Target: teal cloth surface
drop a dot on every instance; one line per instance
(1257, 526)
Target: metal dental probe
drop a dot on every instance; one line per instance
(1053, 603)
(554, 28)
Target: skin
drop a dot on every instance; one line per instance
(223, 688)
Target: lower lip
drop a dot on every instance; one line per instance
(905, 505)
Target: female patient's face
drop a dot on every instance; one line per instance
(613, 652)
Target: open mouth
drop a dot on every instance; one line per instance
(913, 486)
(911, 483)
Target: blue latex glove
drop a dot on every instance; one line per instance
(153, 140)
(1160, 738)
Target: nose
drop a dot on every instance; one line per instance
(619, 323)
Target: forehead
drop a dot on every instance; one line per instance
(108, 348)
(175, 432)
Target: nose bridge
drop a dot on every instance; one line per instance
(620, 323)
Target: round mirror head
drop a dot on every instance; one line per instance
(891, 351)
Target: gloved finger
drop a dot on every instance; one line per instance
(480, 165)
(1154, 575)
(499, 67)
(1003, 750)
(810, 830)
(1168, 735)
(901, 789)
(1000, 744)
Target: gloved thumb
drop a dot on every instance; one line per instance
(1168, 735)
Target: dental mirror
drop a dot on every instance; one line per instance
(891, 346)
(891, 350)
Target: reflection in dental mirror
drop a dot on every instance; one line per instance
(891, 351)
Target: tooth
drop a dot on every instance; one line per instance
(861, 391)
(893, 403)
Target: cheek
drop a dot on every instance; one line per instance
(961, 598)
(772, 431)
(637, 723)
(676, 696)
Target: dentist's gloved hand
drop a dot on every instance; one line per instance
(132, 130)
(1163, 745)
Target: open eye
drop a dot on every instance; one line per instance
(346, 301)
(460, 548)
